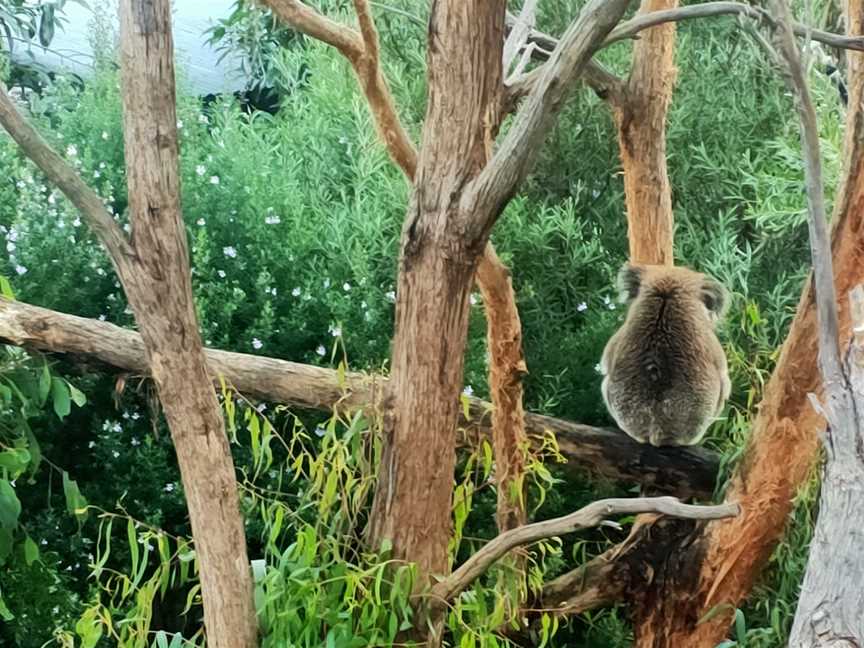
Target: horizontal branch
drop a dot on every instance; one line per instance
(686, 472)
(585, 518)
(307, 20)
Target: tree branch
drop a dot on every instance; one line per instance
(686, 472)
(484, 200)
(363, 53)
(587, 517)
(61, 173)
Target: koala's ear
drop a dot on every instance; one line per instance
(715, 297)
(629, 281)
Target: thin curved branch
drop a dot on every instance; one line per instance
(587, 517)
(300, 16)
(62, 174)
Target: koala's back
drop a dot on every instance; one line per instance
(660, 385)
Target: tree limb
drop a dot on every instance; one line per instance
(300, 16)
(587, 517)
(686, 472)
(484, 200)
(62, 174)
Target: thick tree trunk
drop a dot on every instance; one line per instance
(640, 109)
(724, 558)
(160, 293)
(412, 506)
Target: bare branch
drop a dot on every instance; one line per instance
(362, 52)
(489, 191)
(300, 16)
(520, 30)
(587, 517)
(686, 472)
(820, 245)
(644, 21)
(60, 173)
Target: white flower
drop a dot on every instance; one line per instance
(326, 283)
(256, 343)
(346, 286)
(20, 184)
(135, 441)
(272, 220)
(51, 199)
(320, 431)
(117, 427)
(92, 444)
(71, 151)
(296, 292)
(229, 252)
(473, 299)
(168, 488)
(13, 234)
(179, 123)
(391, 296)
(321, 351)
(102, 318)
(200, 169)
(96, 174)
(202, 119)
(102, 165)
(364, 305)
(20, 269)
(598, 368)
(10, 246)
(104, 135)
(116, 454)
(200, 222)
(335, 331)
(214, 180)
(468, 391)
(221, 274)
(135, 416)
(582, 307)
(76, 222)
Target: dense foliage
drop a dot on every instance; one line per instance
(294, 222)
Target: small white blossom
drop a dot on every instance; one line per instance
(296, 292)
(346, 286)
(71, 151)
(229, 252)
(391, 296)
(20, 269)
(96, 174)
(326, 283)
(116, 454)
(200, 169)
(20, 184)
(320, 431)
(364, 305)
(200, 222)
(221, 274)
(104, 135)
(102, 165)
(468, 391)
(473, 299)
(10, 246)
(51, 199)
(102, 318)
(135, 441)
(335, 331)
(598, 368)
(117, 427)
(168, 488)
(135, 416)
(179, 123)
(272, 220)
(214, 180)
(92, 444)
(582, 307)
(256, 343)
(202, 119)
(321, 351)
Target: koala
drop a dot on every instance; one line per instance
(665, 376)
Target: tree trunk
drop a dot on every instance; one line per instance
(160, 293)
(412, 506)
(724, 558)
(831, 599)
(640, 111)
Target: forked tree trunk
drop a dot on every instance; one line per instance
(723, 559)
(640, 110)
(160, 293)
(412, 506)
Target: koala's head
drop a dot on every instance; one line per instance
(637, 282)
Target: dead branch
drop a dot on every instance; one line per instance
(686, 472)
(587, 517)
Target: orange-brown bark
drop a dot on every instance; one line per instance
(784, 439)
(640, 111)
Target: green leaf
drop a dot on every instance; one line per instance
(78, 396)
(10, 506)
(5, 614)
(75, 502)
(15, 460)
(5, 544)
(6, 288)
(60, 396)
(46, 25)
(44, 384)
(31, 551)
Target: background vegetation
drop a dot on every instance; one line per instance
(294, 221)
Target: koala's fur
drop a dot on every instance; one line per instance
(665, 373)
